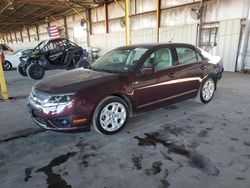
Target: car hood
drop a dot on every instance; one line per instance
(73, 81)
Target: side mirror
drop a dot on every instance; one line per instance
(148, 70)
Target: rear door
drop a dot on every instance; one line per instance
(191, 68)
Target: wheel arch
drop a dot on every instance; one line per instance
(214, 77)
(127, 100)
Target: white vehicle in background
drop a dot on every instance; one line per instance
(6, 49)
(12, 61)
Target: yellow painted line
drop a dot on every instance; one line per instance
(3, 83)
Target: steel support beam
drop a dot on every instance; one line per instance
(11, 40)
(127, 21)
(106, 18)
(201, 23)
(28, 32)
(244, 42)
(89, 29)
(158, 19)
(82, 16)
(66, 27)
(37, 33)
(15, 37)
(122, 7)
(21, 34)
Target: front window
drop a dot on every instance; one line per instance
(160, 59)
(119, 60)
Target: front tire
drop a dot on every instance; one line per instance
(35, 71)
(207, 90)
(111, 115)
(82, 63)
(7, 66)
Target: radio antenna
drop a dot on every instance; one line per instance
(172, 38)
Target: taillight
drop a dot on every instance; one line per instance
(2, 58)
(11, 50)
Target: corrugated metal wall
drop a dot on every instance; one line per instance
(182, 33)
(228, 40)
(176, 25)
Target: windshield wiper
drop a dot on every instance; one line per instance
(97, 69)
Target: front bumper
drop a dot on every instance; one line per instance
(50, 122)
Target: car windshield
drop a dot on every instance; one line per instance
(17, 51)
(119, 60)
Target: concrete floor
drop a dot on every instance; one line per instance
(188, 144)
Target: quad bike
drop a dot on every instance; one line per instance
(50, 55)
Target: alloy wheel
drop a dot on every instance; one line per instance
(113, 116)
(208, 89)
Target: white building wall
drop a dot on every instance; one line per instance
(228, 41)
(107, 42)
(176, 25)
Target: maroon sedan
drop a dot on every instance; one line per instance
(124, 82)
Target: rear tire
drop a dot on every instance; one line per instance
(207, 90)
(22, 69)
(110, 116)
(7, 66)
(35, 71)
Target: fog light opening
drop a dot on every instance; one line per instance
(62, 122)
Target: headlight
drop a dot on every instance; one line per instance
(59, 100)
(50, 104)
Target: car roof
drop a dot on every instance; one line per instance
(154, 45)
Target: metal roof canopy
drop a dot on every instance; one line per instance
(17, 14)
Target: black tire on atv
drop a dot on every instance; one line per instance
(82, 63)
(7, 66)
(35, 71)
(22, 69)
(76, 57)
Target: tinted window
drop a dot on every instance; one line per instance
(186, 55)
(5, 47)
(160, 59)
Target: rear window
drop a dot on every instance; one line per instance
(187, 55)
(4, 47)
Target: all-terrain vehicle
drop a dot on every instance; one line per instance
(52, 54)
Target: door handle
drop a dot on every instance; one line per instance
(171, 75)
(203, 67)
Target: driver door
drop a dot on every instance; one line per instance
(55, 53)
(159, 87)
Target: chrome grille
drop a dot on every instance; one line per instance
(40, 94)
